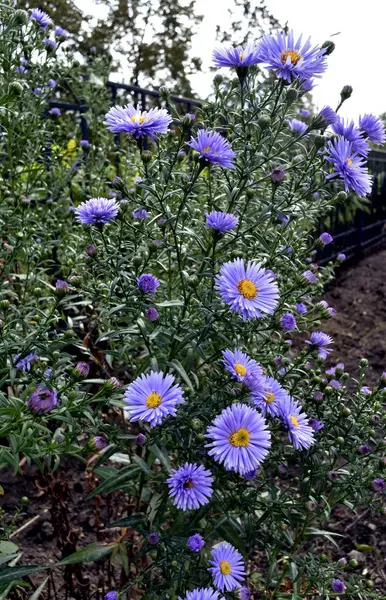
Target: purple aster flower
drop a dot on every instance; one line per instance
(20, 69)
(82, 369)
(342, 562)
(40, 17)
(62, 286)
(99, 442)
(241, 366)
(38, 91)
(190, 486)
(152, 314)
(318, 396)
(284, 219)
(307, 86)
(115, 382)
(92, 49)
(60, 32)
(288, 250)
(290, 58)
(297, 126)
(48, 373)
(270, 398)
(250, 475)
(148, 283)
(288, 322)
(300, 432)
(366, 390)
(335, 384)
(278, 174)
(127, 119)
(364, 449)
(341, 256)
(221, 221)
(319, 341)
(85, 144)
(325, 238)
(301, 308)
(315, 424)
(373, 128)
(42, 400)
(327, 116)
(244, 593)
(213, 148)
(90, 249)
(303, 112)
(228, 568)
(96, 211)
(249, 290)
(379, 485)
(240, 439)
(152, 397)
(50, 44)
(310, 277)
(140, 440)
(55, 112)
(139, 213)
(24, 363)
(111, 596)
(338, 586)
(153, 538)
(196, 542)
(202, 594)
(52, 83)
(350, 132)
(227, 56)
(188, 118)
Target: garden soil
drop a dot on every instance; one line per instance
(359, 330)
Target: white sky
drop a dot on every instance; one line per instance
(357, 59)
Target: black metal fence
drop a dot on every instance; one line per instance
(352, 233)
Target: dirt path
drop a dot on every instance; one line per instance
(359, 328)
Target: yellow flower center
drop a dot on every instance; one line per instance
(240, 369)
(206, 149)
(241, 55)
(225, 567)
(138, 119)
(240, 437)
(188, 484)
(269, 397)
(292, 54)
(349, 162)
(247, 289)
(153, 400)
(294, 421)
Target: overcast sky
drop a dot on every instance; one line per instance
(358, 59)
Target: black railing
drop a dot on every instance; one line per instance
(352, 236)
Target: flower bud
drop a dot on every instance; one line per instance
(363, 363)
(330, 47)
(346, 92)
(346, 412)
(98, 443)
(319, 141)
(146, 157)
(291, 95)
(196, 424)
(20, 17)
(15, 88)
(140, 440)
(341, 196)
(264, 121)
(218, 79)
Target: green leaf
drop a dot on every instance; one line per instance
(161, 453)
(144, 466)
(9, 574)
(7, 558)
(90, 553)
(39, 590)
(170, 303)
(7, 547)
(130, 521)
(181, 371)
(116, 481)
